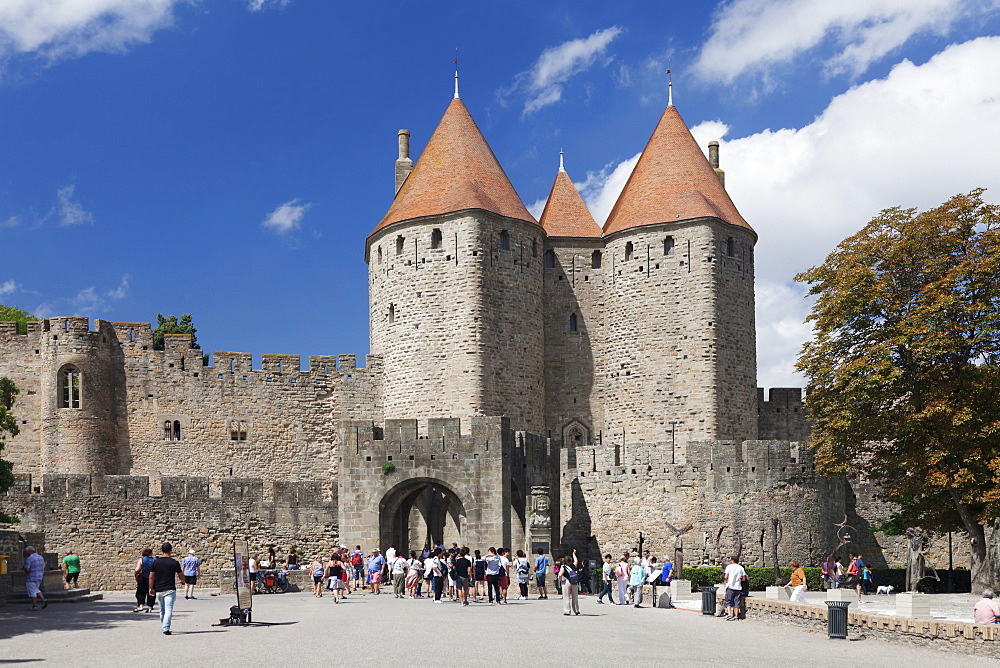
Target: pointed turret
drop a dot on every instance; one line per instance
(456, 171)
(565, 214)
(672, 182)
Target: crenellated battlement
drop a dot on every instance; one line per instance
(174, 489)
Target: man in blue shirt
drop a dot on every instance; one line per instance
(668, 570)
(375, 564)
(541, 566)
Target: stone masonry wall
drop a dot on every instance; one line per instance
(572, 391)
(729, 492)
(129, 391)
(459, 327)
(108, 520)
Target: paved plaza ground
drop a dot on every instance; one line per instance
(370, 630)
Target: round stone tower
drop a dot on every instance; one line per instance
(680, 362)
(80, 400)
(455, 286)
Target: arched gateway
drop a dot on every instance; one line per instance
(396, 488)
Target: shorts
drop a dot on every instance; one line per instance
(462, 583)
(72, 577)
(335, 584)
(34, 587)
(733, 597)
(359, 571)
(317, 579)
(540, 579)
(253, 577)
(188, 579)
(504, 582)
(376, 577)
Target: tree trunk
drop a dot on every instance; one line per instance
(981, 569)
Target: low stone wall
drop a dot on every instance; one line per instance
(977, 639)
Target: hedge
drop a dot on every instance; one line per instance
(761, 577)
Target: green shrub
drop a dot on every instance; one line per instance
(387, 468)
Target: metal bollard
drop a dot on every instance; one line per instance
(708, 600)
(836, 619)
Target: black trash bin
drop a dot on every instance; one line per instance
(708, 600)
(836, 619)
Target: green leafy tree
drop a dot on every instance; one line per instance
(171, 324)
(14, 314)
(903, 365)
(8, 425)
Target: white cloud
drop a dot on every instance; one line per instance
(757, 35)
(8, 287)
(542, 83)
(286, 217)
(257, 5)
(69, 211)
(64, 28)
(912, 139)
(13, 221)
(89, 302)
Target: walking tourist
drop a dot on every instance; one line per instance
(463, 569)
(636, 580)
(414, 573)
(375, 564)
(398, 566)
(570, 576)
(607, 575)
(541, 568)
(622, 572)
(478, 576)
(34, 570)
(585, 577)
(523, 571)
(358, 566)
(735, 576)
(162, 584)
(504, 572)
(143, 599)
(71, 569)
(192, 571)
(436, 569)
(337, 573)
(493, 566)
(317, 569)
(797, 583)
(987, 611)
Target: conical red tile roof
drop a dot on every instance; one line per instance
(565, 214)
(671, 182)
(456, 171)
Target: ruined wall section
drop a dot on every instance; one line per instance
(108, 520)
(21, 361)
(459, 326)
(659, 368)
(574, 286)
(729, 492)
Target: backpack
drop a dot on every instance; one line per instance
(572, 576)
(356, 559)
(522, 565)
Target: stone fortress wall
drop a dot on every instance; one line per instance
(109, 519)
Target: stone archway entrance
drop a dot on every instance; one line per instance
(420, 512)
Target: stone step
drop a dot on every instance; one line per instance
(58, 596)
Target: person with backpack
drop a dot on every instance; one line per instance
(358, 566)
(144, 601)
(522, 568)
(569, 573)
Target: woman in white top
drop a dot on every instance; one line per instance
(414, 575)
(522, 569)
(570, 576)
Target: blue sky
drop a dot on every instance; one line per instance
(228, 158)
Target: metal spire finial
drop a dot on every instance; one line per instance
(562, 168)
(456, 73)
(670, 88)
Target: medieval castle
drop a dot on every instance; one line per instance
(532, 383)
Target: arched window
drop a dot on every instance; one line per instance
(576, 437)
(534, 248)
(595, 260)
(380, 255)
(628, 251)
(400, 241)
(436, 238)
(177, 430)
(232, 366)
(573, 324)
(392, 313)
(168, 432)
(730, 247)
(69, 387)
(505, 240)
(550, 259)
(668, 246)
